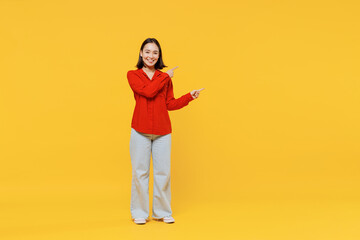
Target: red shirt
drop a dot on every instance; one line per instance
(153, 100)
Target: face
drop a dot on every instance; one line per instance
(150, 54)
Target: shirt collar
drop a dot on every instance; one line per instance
(157, 72)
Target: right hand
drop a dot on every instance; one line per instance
(171, 71)
(195, 93)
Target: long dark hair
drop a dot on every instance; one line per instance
(160, 63)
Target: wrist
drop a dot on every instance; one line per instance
(191, 96)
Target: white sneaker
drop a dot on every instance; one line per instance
(168, 219)
(140, 220)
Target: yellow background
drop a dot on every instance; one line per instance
(270, 150)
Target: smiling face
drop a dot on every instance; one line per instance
(150, 54)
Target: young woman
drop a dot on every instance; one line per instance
(151, 132)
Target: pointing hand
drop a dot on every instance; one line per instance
(195, 93)
(171, 71)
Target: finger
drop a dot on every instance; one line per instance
(201, 89)
(175, 68)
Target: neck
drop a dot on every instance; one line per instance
(150, 69)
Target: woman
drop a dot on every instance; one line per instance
(151, 132)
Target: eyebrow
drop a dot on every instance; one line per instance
(150, 50)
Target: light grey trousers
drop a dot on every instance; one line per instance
(142, 146)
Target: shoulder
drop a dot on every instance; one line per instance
(133, 72)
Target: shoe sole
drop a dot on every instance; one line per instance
(140, 223)
(161, 220)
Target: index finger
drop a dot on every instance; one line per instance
(201, 89)
(175, 68)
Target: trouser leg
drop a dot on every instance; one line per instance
(161, 151)
(140, 152)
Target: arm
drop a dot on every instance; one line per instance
(148, 90)
(174, 104)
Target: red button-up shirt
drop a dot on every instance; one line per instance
(153, 100)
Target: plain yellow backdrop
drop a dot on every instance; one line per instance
(278, 120)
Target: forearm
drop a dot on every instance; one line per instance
(148, 90)
(175, 104)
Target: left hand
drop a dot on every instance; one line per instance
(195, 93)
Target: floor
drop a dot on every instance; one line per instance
(107, 216)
